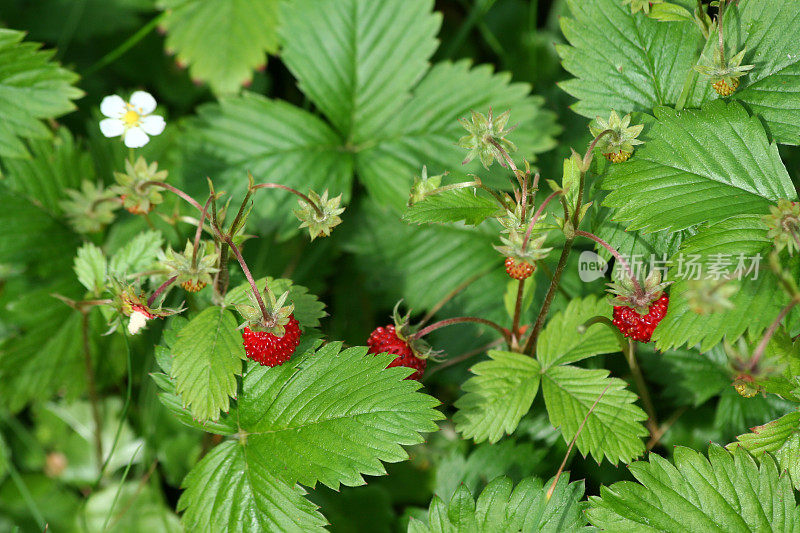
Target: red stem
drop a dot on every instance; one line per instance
(159, 290)
(536, 217)
(249, 277)
(460, 320)
(293, 191)
(200, 231)
(616, 255)
(762, 346)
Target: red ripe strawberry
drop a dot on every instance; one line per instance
(385, 339)
(640, 327)
(519, 269)
(268, 349)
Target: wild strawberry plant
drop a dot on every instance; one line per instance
(196, 290)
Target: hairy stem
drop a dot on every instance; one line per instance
(510, 162)
(293, 191)
(249, 277)
(463, 357)
(762, 346)
(530, 346)
(160, 290)
(616, 255)
(536, 217)
(461, 320)
(174, 190)
(199, 232)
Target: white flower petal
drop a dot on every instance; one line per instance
(113, 106)
(143, 102)
(135, 137)
(153, 124)
(112, 127)
(138, 321)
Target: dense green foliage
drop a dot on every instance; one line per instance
(334, 160)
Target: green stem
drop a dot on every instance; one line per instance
(630, 355)
(94, 400)
(127, 45)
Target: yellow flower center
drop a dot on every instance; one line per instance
(131, 118)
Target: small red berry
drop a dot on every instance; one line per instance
(640, 327)
(386, 340)
(519, 269)
(268, 349)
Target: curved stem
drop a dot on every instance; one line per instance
(762, 346)
(293, 191)
(616, 255)
(468, 184)
(536, 217)
(587, 158)
(452, 294)
(127, 45)
(172, 189)
(249, 277)
(510, 162)
(460, 320)
(199, 231)
(159, 290)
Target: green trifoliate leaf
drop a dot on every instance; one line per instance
(252, 498)
(715, 251)
(781, 439)
(324, 218)
(388, 113)
(365, 412)
(221, 41)
(486, 138)
(563, 341)
(670, 185)
(766, 29)
(32, 88)
(90, 267)
(498, 396)
(137, 255)
(726, 492)
(627, 63)
(452, 206)
(207, 357)
(613, 429)
(503, 508)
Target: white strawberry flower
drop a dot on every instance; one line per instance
(133, 120)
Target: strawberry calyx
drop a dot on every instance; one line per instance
(275, 318)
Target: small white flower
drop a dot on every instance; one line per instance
(138, 321)
(133, 120)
